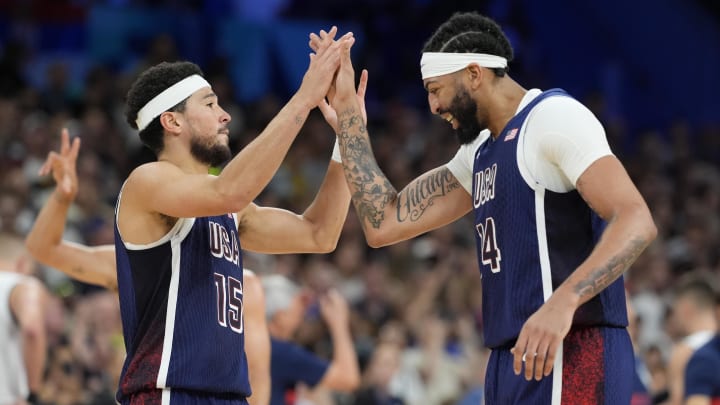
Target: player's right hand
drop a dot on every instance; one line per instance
(323, 65)
(62, 167)
(345, 79)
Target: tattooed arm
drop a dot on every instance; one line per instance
(607, 188)
(430, 201)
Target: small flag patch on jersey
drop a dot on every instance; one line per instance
(511, 135)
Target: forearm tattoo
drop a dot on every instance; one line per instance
(603, 276)
(371, 191)
(419, 195)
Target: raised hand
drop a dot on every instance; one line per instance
(316, 41)
(329, 112)
(334, 309)
(345, 79)
(323, 65)
(62, 167)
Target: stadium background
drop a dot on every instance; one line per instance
(647, 68)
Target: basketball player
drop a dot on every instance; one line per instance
(23, 338)
(536, 170)
(96, 265)
(180, 231)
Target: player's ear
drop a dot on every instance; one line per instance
(475, 75)
(171, 122)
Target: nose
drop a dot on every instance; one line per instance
(434, 104)
(224, 116)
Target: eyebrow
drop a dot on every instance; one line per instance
(428, 83)
(209, 95)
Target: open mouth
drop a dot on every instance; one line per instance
(451, 120)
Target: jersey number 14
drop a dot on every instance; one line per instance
(489, 252)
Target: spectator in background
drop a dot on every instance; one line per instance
(380, 377)
(701, 379)
(23, 340)
(290, 364)
(693, 314)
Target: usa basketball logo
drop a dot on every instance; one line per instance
(511, 135)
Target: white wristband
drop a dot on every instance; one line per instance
(336, 152)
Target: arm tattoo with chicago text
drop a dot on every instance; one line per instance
(371, 191)
(603, 276)
(414, 199)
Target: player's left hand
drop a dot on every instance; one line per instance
(540, 338)
(330, 114)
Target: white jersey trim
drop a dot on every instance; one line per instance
(698, 339)
(546, 275)
(181, 228)
(543, 253)
(176, 248)
(557, 376)
(165, 400)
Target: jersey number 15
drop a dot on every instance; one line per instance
(229, 302)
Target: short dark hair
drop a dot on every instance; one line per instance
(471, 33)
(149, 84)
(700, 288)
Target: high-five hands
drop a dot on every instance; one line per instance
(347, 79)
(324, 63)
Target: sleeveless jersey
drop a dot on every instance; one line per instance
(529, 239)
(701, 376)
(13, 376)
(182, 310)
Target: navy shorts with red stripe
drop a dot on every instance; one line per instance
(183, 397)
(597, 369)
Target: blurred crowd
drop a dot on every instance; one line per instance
(415, 307)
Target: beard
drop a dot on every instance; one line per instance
(464, 109)
(213, 155)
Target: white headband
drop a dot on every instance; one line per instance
(434, 64)
(169, 98)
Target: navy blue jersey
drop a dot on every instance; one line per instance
(529, 239)
(701, 372)
(182, 310)
(290, 364)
